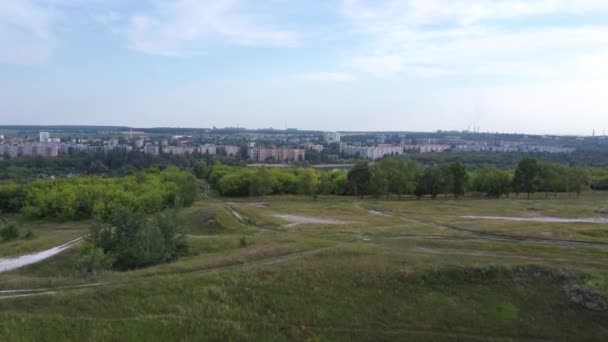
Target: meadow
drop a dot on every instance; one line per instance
(333, 269)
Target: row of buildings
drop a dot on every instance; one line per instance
(261, 154)
(210, 149)
(50, 150)
(372, 152)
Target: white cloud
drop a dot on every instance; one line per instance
(327, 77)
(184, 27)
(26, 32)
(472, 37)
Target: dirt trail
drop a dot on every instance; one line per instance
(8, 264)
(503, 237)
(269, 261)
(296, 219)
(539, 219)
(512, 238)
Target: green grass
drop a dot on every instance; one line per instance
(376, 278)
(46, 235)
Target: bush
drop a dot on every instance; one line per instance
(92, 261)
(133, 240)
(29, 234)
(9, 232)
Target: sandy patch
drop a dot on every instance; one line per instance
(8, 264)
(546, 219)
(295, 220)
(258, 204)
(377, 213)
(237, 215)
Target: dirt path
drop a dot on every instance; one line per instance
(6, 294)
(296, 219)
(512, 238)
(8, 264)
(539, 219)
(269, 261)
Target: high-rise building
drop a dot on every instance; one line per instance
(45, 136)
(331, 137)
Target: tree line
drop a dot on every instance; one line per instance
(397, 177)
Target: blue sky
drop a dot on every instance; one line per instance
(537, 66)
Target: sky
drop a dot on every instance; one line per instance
(526, 66)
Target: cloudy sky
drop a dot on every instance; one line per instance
(537, 66)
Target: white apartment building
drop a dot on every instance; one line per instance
(45, 136)
(331, 137)
(372, 152)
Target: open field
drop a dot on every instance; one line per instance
(349, 269)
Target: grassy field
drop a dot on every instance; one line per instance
(391, 270)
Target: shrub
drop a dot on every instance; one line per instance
(134, 240)
(9, 232)
(92, 261)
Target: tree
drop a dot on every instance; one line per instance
(459, 178)
(527, 176)
(359, 178)
(378, 182)
(308, 181)
(262, 182)
(132, 240)
(577, 180)
(400, 175)
(201, 170)
(493, 182)
(431, 182)
(550, 177)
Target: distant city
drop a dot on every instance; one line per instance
(272, 145)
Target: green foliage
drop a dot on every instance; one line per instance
(399, 176)
(9, 232)
(83, 197)
(527, 177)
(134, 240)
(394, 176)
(432, 182)
(262, 182)
(92, 261)
(308, 181)
(460, 178)
(493, 182)
(201, 170)
(359, 178)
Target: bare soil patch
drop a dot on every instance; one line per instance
(296, 219)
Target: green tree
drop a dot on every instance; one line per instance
(459, 177)
(551, 177)
(431, 182)
(527, 176)
(577, 180)
(201, 170)
(133, 240)
(308, 181)
(359, 178)
(262, 182)
(493, 182)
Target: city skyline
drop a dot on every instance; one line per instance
(535, 67)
